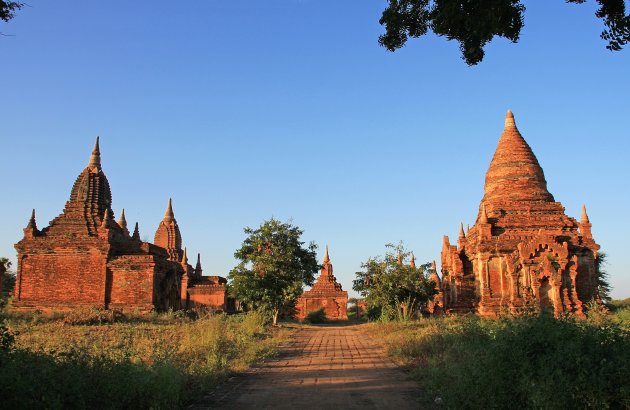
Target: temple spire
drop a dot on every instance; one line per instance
(106, 218)
(122, 221)
(326, 257)
(136, 233)
(31, 222)
(413, 261)
(185, 257)
(585, 215)
(461, 230)
(95, 158)
(509, 120)
(198, 266)
(169, 215)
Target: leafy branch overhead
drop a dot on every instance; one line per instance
(8, 8)
(474, 23)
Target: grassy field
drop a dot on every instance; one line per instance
(157, 361)
(522, 362)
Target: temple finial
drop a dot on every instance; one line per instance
(95, 158)
(136, 233)
(413, 261)
(169, 215)
(509, 120)
(198, 266)
(484, 216)
(434, 266)
(122, 221)
(461, 230)
(326, 257)
(185, 257)
(31, 222)
(584, 215)
(106, 217)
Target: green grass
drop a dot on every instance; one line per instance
(525, 363)
(159, 361)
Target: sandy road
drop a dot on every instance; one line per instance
(327, 367)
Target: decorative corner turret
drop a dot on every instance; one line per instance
(31, 229)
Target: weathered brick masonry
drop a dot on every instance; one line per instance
(85, 257)
(523, 249)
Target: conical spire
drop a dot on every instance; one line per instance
(514, 173)
(185, 257)
(169, 215)
(198, 266)
(95, 158)
(106, 218)
(434, 266)
(31, 222)
(585, 215)
(413, 261)
(461, 231)
(122, 221)
(326, 257)
(136, 233)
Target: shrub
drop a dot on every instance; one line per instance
(524, 362)
(316, 316)
(92, 315)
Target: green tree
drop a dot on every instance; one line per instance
(7, 277)
(396, 289)
(274, 266)
(474, 23)
(8, 8)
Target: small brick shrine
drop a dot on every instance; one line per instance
(326, 293)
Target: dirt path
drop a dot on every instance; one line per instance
(323, 367)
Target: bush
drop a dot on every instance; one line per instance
(316, 316)
(528, 362)
(92, 315)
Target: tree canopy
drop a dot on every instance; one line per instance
(8, 8)
(274, 266)
(474, 23)
(392, 288)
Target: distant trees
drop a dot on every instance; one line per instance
(274, 266)
(7, 277)
(391, 288)
(474, 23)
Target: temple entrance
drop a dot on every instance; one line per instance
(546, 296)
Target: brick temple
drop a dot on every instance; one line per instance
(523, 251)
(326, 293)
(87, 258)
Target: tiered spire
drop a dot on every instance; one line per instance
(326, 257)
(136, 233)
(514, 173)
(198, 270)
(585, 215)
(122, 221)
(168, 236)
(95, 158)
(32, 224)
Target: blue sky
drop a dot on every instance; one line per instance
(289, 108)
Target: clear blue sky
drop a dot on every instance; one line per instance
(289, 108)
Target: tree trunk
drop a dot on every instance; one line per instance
(276, 312)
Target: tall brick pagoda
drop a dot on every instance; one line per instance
(326, 293)
(523, 250)
(84, 257)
